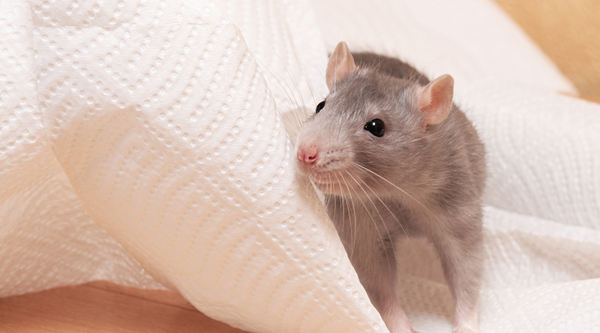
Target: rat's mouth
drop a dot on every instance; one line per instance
(328, 181)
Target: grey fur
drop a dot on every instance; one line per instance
(437, 172)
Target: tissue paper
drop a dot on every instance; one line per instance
(162, 121)
(46, 237)
(543, 151)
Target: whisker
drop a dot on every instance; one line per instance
(373, 221)
(328, 196)
(451, 49)
(310, 88)
(282, 88)
(294, 94)
(399, 189)
(386, 207)
(276, 52)
(352, 230)
(408, 238)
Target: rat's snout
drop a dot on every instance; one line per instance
(308, 154)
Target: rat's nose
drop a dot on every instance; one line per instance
(308, 154)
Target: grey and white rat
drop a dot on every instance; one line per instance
(394, 157)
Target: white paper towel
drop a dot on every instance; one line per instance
(542, 151)
(153, 129)
(46, 237)
(164, 126)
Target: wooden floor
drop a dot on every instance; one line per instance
(568, 32)
(104, 307)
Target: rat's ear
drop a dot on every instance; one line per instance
(435, 99)
(340, 64)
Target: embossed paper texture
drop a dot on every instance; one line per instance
(161, 120)
(143, 142)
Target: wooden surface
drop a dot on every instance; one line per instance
(104, 307)
(568, 31)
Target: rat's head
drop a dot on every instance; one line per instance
(370, 130)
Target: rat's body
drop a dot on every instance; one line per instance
(394, 157)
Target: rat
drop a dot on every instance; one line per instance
(394, 157)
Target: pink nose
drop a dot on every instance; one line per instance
(308, 155)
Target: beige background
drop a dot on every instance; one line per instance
(569, 32)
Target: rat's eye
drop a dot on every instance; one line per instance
(375, 127)
(320, 106)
